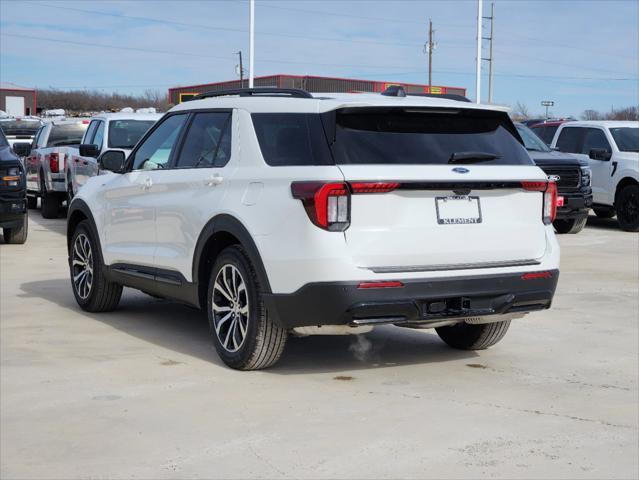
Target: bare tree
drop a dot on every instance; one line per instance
(630, 113)
(83, 101)
(591, 115)
(521, 111)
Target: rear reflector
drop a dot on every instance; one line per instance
(380, 285)
(536, 275)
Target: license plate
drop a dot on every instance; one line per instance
(458, 209)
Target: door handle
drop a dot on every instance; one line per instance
(214, 180)
(148, 183)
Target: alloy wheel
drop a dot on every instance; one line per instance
(630, 208)
(82, 266)
(230, 308)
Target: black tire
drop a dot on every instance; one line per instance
(32, 202)
(466, 336)
(263, 341)
(604, 212)
(49, 202)
(17, 235)
(572, 225)
(102, 295)
(627, 207)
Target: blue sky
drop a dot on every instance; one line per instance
(581, 54)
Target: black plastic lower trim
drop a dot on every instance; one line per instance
(417, 301)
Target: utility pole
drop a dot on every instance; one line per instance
(241, 70)
(428, 48)
(251, 41)
(479, 39)
(490, 57)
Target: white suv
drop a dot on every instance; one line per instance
(278, 211)
(612, 151)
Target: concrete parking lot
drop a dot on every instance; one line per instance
(140, 393)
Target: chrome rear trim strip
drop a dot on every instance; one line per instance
(455, 266)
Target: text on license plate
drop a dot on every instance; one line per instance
(457, 209)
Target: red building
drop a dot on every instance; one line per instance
(309, 83)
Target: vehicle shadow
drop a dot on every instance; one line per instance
(185, 330)
(603, 223)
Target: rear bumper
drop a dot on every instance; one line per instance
(576, 205)
(418, 301)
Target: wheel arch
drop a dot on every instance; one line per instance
(220, 232)
(79, 211)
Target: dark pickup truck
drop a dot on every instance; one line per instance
(13, 195)
(573, 181)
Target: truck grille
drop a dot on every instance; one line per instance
(568, 176)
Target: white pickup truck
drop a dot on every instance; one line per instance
(611, 148)
(108, 131)
(46, 160)
(20, 129)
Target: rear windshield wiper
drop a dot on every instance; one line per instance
(472, 157)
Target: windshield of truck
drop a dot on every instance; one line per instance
(126, 133)
(66, 134)
(20, 127)
(531, 141)
(626, 138)
(422, 136)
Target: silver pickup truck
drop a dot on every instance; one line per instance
(107, 131)
(46, 161)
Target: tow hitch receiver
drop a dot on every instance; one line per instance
(463, 307)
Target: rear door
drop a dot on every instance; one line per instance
(438, 215)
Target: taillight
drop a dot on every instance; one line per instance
(549, 190)
(328, 205)
(54, 163)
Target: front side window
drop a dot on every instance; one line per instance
(98, 139)
(207, 142)
(404, 136)
(3, 140)
(568, 140)
(88, 136)
(156, 150)
(126, 133)
(594, 138)
(626, 138)
(66, 134)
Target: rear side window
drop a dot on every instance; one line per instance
(568, 140)
(69, 134)
(424, 136)
(288, 139)
(208, 141)
(126, 133)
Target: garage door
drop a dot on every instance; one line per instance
(15, 106)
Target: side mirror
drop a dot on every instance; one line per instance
(112, 160)
(600, 154)
(88, 150)
(22, 149)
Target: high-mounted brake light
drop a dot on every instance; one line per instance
(549, 189)
(54, 162)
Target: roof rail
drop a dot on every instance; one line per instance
(259, 91)
(398, 91)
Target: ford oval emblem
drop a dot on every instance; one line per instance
(461, 170)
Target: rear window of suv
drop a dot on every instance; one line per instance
(386, 136)
(424, 136)
(69, 134)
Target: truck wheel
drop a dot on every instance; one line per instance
(50, 205)
(573, 225)
(244, 335)
(604, 212)
(627, 207)
(32, 202)
(92, 290)
(466, 336)
(17, 235)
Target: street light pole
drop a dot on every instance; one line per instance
(251, 41)
(479, 39)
